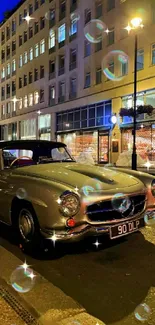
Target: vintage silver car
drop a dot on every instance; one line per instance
(45, 194)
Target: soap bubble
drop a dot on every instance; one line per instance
(50, 15)
(94, 30)
(21, 193)
(118, 58)
(120, 202)
(87, 189)
(22, 279)
(74, 17)
(149, 220)
(142, 312)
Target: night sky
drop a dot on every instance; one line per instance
(7, 5)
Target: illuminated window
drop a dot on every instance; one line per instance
(36, 97)
(25, 57)
(51, 39)
(13, 65)
(20, 61)
(31, 54)
(42, 46)
(36, 53)
(8, 69)
(20, 103)
(25, 101)
(61, 33)
(30, 99)
(3, 73)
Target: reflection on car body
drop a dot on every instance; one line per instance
(45, 193)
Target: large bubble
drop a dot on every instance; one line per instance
(142, 312)
(121, 202)
(94, 30)
(22, 279)
(149, 220)
(115, 65)
(21, 193)
(87, 190)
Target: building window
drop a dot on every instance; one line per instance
(13, 47)
(25, 57)
(25, 13)
(8, 32)
(20, 61)
(8, 108)
(20, 40)
(3, 109)
(110, 4)
(36, 27)
(87, 80)
(36, 5)
(8, 69)
(111, 37)
(8, 90)
(13, 87)
(8, 51)
(2, 36)
(36, 50)
(30, 32)
(62, 10)
(52, 92)
(140, 59)
(52, 17)
(41, 71)
(73, 56)
(62, 33)
(20, 19)
(25, 37)
(98, 10)
(31, 54)
(42, 2)
(25, 101)
(111, 66)
(36, 77)
(42, 22)
(25, 80)
(20, 103)
(30, 9)
(3, 73)
(98, 46)
(124, 68)
(30, 77)
(42, 46)
(41, 95)
(73, 87)
(30, 99)
(3, 55)
(98, 76)
(36, 97)
(13, 26)
(14, 65)
(87, 49)
(2, 93)
(87, 15)
(73, 27)
(153, 54)
(20, 83)
(51, 39)
(62, 89)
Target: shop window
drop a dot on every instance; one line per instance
(150, 98)
(140, 59)
(70, 120)
(107, 113)
(59, 122)
(77, 119)
(84, 118)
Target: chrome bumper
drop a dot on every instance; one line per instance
(87, 230)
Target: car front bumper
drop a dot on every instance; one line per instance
(87, 230)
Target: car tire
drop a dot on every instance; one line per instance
(27, 229)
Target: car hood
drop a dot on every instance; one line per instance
(78, 175)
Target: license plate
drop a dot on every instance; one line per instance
(126, 228)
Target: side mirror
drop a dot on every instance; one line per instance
(1, 160)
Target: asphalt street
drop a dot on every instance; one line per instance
(109, 281)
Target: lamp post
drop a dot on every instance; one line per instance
(136, 22)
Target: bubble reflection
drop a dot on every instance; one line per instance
(117, 59)
(142, 312)
(120, 202)
(94, 30)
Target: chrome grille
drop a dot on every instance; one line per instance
(104, 211)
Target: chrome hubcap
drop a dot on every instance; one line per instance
(26, 224)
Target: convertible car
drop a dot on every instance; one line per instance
(45, 194)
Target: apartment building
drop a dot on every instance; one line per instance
(52, 84)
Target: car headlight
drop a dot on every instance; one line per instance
(153, 187)
(69, 204)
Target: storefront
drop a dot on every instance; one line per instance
(9, 131)
(145, 131)
(44, 126)
(27, 129)
(86, 129)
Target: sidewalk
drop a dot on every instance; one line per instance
(44, 304)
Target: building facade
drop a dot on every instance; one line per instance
(52, 83)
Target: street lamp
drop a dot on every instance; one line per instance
(135, 23)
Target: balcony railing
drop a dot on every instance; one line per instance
(72, 95)
(73, 7)
(72, 37)
(51, 75)
(61, 99)
(52, 49)
(51, 101)
(61, 44)
(72, 65)
(61, 71)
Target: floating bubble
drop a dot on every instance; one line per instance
(87, 189)
(22, 279)
(50, 15)
(21, 193)
(74, 17)
(121, 202)
(149, 220)
(98, 185)
(94, 30)
(142, 312)
(115, 60)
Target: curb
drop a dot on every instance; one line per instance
(50, 304)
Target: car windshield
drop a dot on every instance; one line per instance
(39, 155)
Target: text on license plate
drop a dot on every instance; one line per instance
(126, 228)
